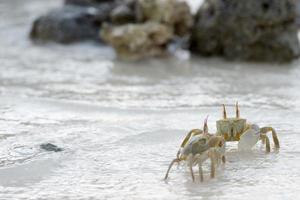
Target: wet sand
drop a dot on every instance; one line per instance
(120, 123)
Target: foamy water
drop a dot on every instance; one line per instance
(120, 124)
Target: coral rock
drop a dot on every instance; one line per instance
(136, 41)
(174, 13)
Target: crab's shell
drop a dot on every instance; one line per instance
(231, 128)
(196, 145)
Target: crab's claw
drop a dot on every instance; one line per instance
(249, 138)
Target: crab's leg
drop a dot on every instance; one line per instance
(191, 162)
(212, 156)
(265, 130)
(265, 138)
(200, 161)
(187, 137)
(200, 171)
(221, 157)
(170, 166)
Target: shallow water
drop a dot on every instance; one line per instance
(120, 124)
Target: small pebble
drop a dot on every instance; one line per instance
(50, 147)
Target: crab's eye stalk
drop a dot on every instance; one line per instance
(224, 112)
(237, 110)
(205, 128)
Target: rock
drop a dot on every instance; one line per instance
(70, 24)
(50, 147)
(298, 13)
(137, 41)
(174, 13)
(87, 2)
(154, 25)
(256, 30)
(111, 4)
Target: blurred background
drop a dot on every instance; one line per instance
(120, 122)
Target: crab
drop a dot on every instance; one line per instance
(247, 135)
(197, 147)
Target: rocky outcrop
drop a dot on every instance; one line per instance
(146, 27)
(69, 24)
(137, 41)
(256, 30)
